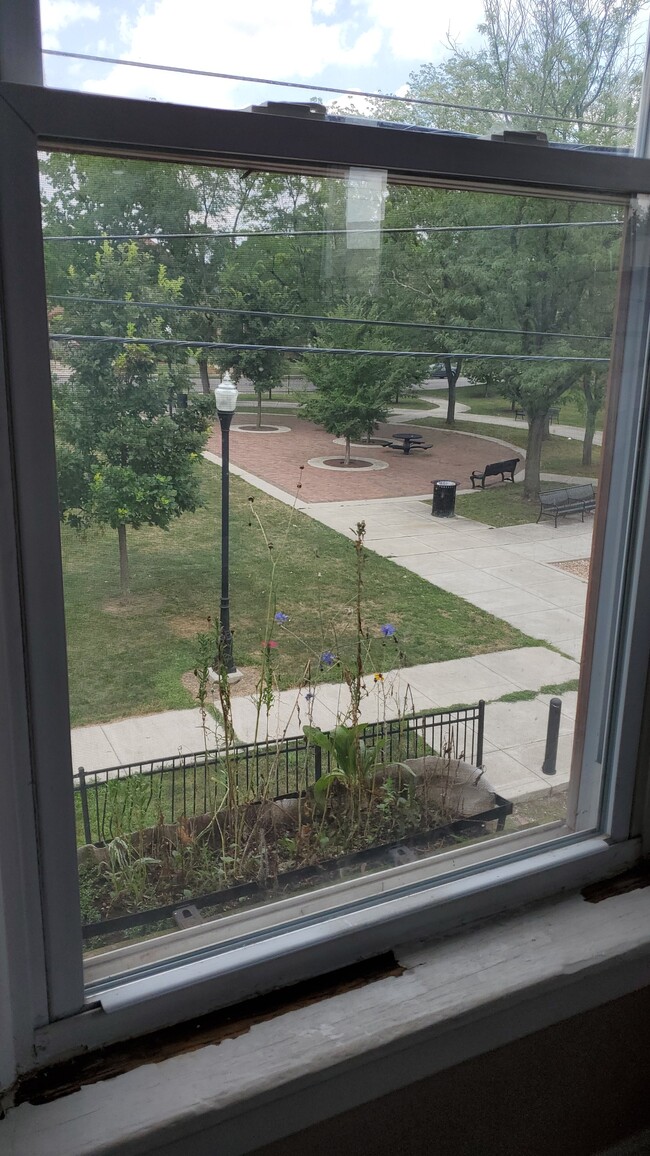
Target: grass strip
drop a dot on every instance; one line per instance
(128, 657)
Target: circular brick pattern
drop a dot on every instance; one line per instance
(356, 464)
(276, 460)
(265, 429)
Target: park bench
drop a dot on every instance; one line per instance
(553, 413)
(492, 470)
(571, 500)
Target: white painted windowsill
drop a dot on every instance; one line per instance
(457, 998)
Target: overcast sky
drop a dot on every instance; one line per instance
(355, 44)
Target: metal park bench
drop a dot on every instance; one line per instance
(571, 500)
(493, 470)
(553, 413)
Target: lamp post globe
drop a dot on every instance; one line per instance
(225, 396)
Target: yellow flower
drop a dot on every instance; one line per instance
(379, 677)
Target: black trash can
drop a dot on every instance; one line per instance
(444, 499)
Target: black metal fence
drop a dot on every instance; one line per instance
(117, 800)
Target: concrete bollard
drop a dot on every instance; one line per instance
(552, 735)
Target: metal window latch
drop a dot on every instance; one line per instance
(512, 136)
(308, 110)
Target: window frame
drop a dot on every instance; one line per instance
(39, 860)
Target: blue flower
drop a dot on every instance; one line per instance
(280, 617)
(387, 630)
(327, 658)
(309, 695)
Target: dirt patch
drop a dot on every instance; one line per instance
(544, 807)
(577, 566)
(246, 686)
(186, 626)
(341, 464)
(134, 604)
(257, 428)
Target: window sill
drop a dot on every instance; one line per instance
(457, 998)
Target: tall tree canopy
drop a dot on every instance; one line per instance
(580, 62)
(352, 391)
(127, 437)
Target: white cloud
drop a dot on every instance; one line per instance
(254, 38)
(417, 30)
(58, 14)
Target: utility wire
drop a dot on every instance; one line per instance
(320, 319)
(246, 233)
(325, 88)
(167, 342)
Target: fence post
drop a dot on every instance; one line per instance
(84, 805)
(479, 734)
(552, 734)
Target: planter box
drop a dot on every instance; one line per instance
(463, 788)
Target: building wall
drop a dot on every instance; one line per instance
(571, 1090)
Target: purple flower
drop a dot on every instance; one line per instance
(280, 617)
(327, 658)
(309, 695)
(387, 630)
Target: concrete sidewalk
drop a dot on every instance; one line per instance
(507, 572)
(514, 731)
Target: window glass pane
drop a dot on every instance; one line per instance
(364, 651)
(572, 71)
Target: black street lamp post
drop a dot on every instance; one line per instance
(226, 399)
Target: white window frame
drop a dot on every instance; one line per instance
(43, 999)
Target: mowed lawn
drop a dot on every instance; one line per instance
(129, 657)
(501, 504)
(496, 405)
(560, 455)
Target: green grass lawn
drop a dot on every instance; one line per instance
(128, 658)
(500, 505)
(559, 455)
(411, 403)
(498, 406)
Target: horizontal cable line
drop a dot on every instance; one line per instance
(166, 342)
(418, 100)
(217, 236)
(428, 325)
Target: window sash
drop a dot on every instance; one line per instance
(34, 118)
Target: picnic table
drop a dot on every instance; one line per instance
(407, 441)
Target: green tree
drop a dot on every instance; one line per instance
(250, 288)
(127, 435)
(92, 196)
(352, 392)
(540, 58)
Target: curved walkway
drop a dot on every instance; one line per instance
(464, 413)
(439, 408)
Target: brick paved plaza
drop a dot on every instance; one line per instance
(277, 457)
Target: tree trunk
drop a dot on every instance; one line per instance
(590, 422)
(452, 378)
(536, 426)
(346, 456)
(205, 376)
(259, 409)
(124, 561)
